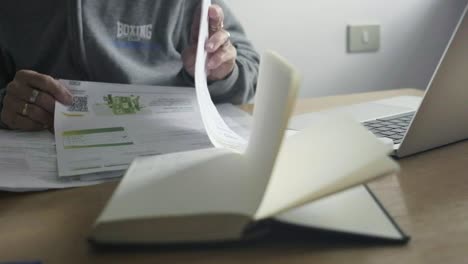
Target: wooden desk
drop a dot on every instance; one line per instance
(429, 199)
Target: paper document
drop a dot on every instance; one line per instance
(218, 131)
(29, 163)
(108, 125)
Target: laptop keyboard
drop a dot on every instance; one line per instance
(393, 127)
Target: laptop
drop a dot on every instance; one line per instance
(414, 124)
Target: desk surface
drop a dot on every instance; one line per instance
(429, 199)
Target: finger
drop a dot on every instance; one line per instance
(13, 120)
(218, 39)
(24, 92)
(46, 84)
(216, 18)
(45, 101)
(24, 123)
(32, 111)
(38, 114)
(12, 104)
(221, 56)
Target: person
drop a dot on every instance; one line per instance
(150, 42)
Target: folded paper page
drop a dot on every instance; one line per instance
(354, 211)
(278, 84)
(219, 133)
(322, 160)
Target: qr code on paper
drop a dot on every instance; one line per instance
(79, 104)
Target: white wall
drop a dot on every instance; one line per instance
(312, 35)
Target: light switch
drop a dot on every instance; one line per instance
(363, 38)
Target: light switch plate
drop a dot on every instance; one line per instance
(363, 38)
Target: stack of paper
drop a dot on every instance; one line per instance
(29, 161)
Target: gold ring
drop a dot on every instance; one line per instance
(34, 95)
(25, 109)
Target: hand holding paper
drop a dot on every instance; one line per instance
(221, 53)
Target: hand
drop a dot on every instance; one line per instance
(29, 101)
(222, 54)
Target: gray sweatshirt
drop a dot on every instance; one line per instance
(117, 41)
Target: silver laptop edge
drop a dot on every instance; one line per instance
(442, 117)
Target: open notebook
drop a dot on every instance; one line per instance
(220, 195)
(224, 193)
